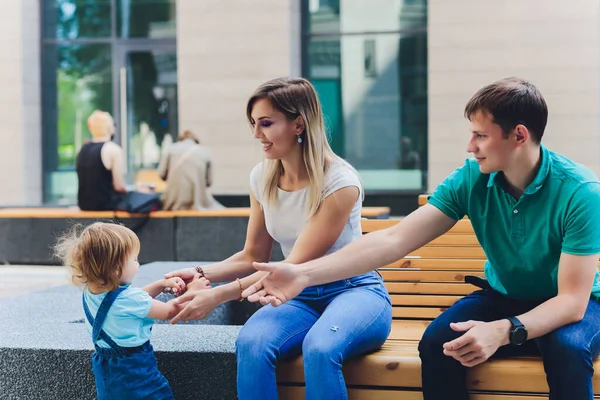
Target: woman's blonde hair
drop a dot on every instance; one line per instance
(97, 254)
(297, 97)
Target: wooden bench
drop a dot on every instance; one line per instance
(74, 212)
(422, 285)
(150, 176)
(30, 233)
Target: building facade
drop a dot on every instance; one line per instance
(393, 77)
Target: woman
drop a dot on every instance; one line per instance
(309, 200)
(187, 170)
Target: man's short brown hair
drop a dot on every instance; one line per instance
(510, 102)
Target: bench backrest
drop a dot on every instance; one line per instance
(429, 280)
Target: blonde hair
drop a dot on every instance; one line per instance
(297, 97)
(187, 134)
(99, 123)
(97, 254)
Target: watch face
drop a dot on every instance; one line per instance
(519, 335)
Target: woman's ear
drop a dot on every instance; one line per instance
(299, 125)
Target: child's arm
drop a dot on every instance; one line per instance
(176, 284)
(164, 311)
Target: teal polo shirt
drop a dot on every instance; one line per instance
(523, 239)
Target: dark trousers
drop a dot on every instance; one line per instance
(567, 352)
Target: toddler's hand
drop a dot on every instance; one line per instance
(174, 285)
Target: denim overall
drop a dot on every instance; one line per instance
(124, 373)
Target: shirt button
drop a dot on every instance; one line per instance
(515, 211)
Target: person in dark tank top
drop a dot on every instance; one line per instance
(100, 167)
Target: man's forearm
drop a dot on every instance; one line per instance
(549, 316)
(372, 251)
(379, 248)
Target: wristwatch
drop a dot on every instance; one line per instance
(518, 332)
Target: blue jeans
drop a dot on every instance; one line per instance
(567, 352)
(326, 323)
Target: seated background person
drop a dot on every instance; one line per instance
(100, 166)
(187, 170)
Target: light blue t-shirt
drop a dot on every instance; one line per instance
(126, 322)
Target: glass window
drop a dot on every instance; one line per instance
(73, 19)
(372, 81)
(146, 18)
(77, 81)
(356, 16)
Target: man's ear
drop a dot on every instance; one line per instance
(521, 133)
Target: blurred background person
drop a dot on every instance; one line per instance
(409, 158)
(100, 166)
(186, 168)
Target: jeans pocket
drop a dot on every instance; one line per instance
(370, 278)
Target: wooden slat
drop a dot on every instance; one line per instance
(436, 264)
(449, 252)
(74, 213)
(423, 199)
(407, 330)
(417, 312)
(429, 288)
(375, 211)
(298, 393)
(427, 276)
(423, 300)
(455, 240)
(383, 368)
(397, 364)
(370, 225)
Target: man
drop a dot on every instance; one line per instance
(537, 216)
(100, 166)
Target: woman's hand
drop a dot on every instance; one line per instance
(198, 284)
(200, 304)
(174, 285)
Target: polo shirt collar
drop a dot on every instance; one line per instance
(496, 178)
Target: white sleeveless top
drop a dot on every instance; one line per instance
(286, 222)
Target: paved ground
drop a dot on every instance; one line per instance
(18, 279)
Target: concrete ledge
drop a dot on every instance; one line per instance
(30, 240)
(45, 352)
(212, 238)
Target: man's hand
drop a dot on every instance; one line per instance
(479, 342)
(282, 283)
(199, 305)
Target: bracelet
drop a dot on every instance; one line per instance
(241, 289)
(200, 271)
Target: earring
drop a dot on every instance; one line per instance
(299, 139)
